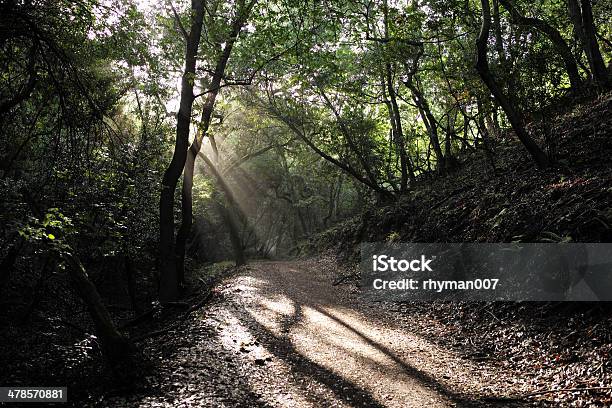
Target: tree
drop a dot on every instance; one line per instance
(169, 279)
(242, 12)
(394, 113)
(514, 116)
(116, 348)
(292, 120)
(581, 15)
(554, 36)
(72, 153)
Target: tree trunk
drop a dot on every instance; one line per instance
(489, 122)
(554, 36)
(495, 123)
(466, 127)
(169, 281)
(499, 44)
(598, 68)
(396, 118)
(515, 118)
(398, 134)
(576, 17)
(207, 110)
(588, 45)
(432, 127)
(484, 132)
(449, 160)
(117, 349)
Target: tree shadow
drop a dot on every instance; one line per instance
(281, 346)
(300, 365)
(424, 379)
(284, 350)
(288, 322)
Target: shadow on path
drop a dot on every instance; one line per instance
(326, 355)
(300, 365)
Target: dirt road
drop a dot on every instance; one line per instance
(279, 334)
(321, 345)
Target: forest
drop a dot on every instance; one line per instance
(187, 185)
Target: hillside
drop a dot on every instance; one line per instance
(571, 200)
(546, 346)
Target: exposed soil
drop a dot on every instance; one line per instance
(279, 334)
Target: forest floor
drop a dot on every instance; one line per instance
(280, 334)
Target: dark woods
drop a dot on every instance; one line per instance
(139, 141)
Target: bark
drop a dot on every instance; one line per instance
(554, 36)
(495, 122)
(430, 123)
(396, 119)
(391, 149)
(447, 143)
(169, 280)
(116, 348)
(585, 34)
(489, 121)
(514, 116)
(449, 160)
(466, 127)
(499, 44)
(406, 167)
(576, 17)
(484, 132)
(598, 68)
(207, 110)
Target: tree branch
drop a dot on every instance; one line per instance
(179, 24)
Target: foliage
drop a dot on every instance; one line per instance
(324, 108)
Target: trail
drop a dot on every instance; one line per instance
(323, 346)
(279, 334)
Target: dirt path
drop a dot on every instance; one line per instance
(281, 335)
(321, 345)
